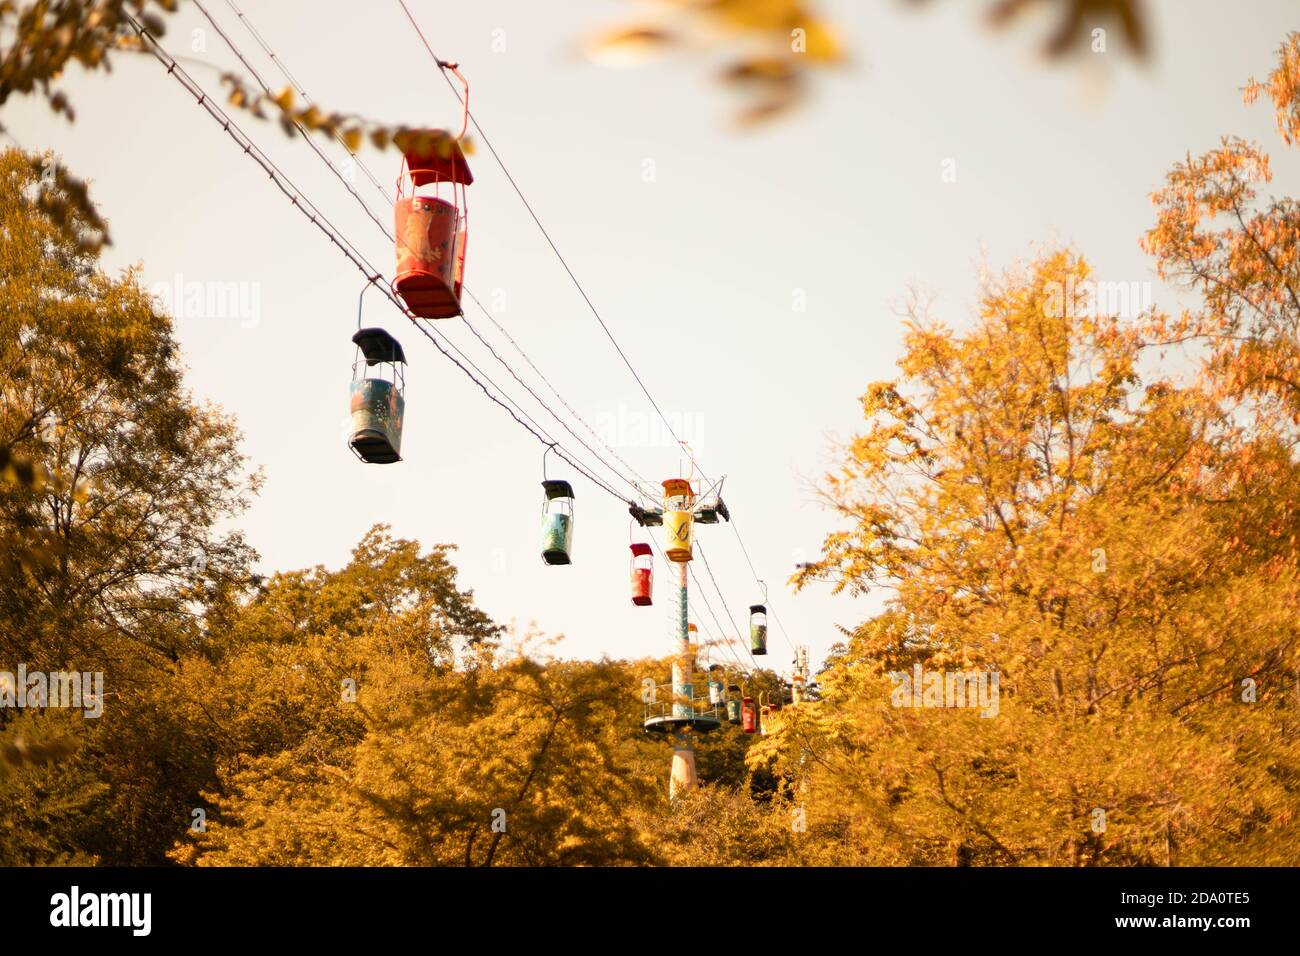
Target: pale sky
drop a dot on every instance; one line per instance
(695, 272)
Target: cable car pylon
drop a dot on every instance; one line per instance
(685, 713)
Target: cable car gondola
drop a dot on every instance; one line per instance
(757, 629)
(557, 518)
(748, 716)
(733, 703)
(557, 522)
(642, 574)
(432, 230)
(378, 402)
(678, 519)
(717, 686)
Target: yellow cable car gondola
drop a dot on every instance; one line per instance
(679, 519)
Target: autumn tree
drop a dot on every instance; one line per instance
(715, 825)
(360, 715)
(46, 797)
(1121, 554)
(1240, 252)
(369, 715)
(115, 482)
(132, 476)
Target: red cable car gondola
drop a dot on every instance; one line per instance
(432, 229)
(748, 716)
(642, 574)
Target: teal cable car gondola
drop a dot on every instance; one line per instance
(733, 703)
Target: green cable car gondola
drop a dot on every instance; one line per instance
(733, 703)
(378, 397)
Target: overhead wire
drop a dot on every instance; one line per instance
(239, 54)
(284, 70)
(699, 594)
(442, 66)
(501, 329)
(704, 558)
(304, 205)
(727, 643)
(629, 482)
(362, 264)
(302, 131)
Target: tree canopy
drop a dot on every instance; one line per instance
(1082, 521)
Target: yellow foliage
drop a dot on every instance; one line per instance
(1118, 554)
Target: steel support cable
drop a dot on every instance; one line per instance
(726, 607)
(758, 580)
(563, 424)
(739, 663)
(442, 68)
(305, 206)
(284, 70)
(709, 606)
(305, 133)
(554, 391)
(234, 48)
